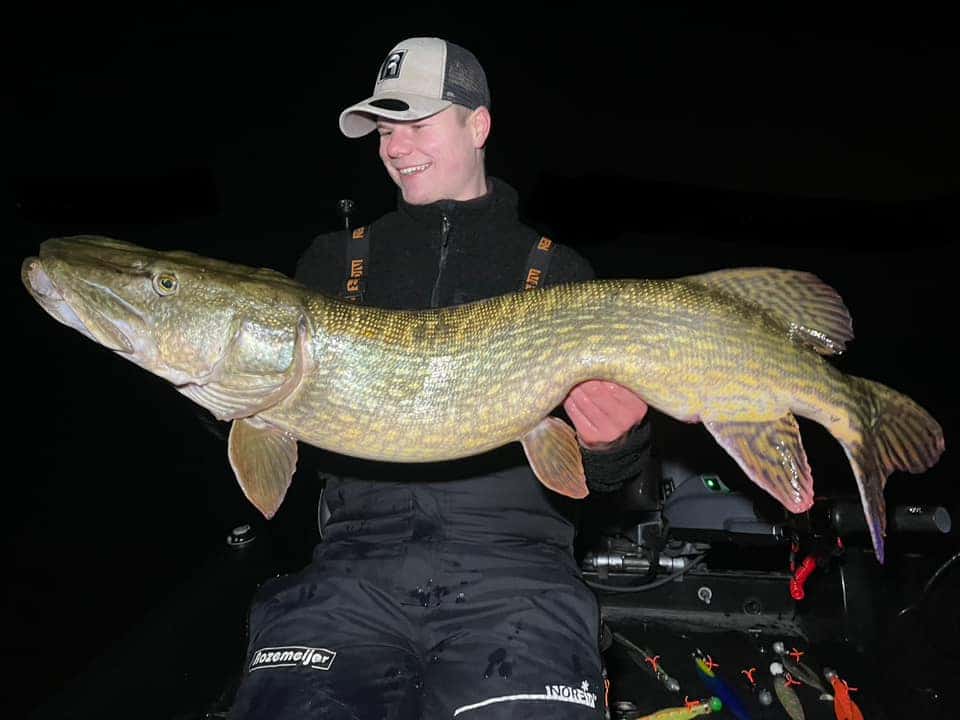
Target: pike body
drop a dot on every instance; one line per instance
(742, 351)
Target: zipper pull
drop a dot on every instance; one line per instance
(444, 230)
(444, 234)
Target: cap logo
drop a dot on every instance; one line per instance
(390, 69)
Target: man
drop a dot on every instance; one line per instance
(450, 588)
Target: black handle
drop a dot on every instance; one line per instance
(846, 518)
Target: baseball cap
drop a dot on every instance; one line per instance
(419, 77)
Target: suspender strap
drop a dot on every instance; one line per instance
(538, 262)
(358, 257)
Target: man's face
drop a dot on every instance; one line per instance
(436, 158)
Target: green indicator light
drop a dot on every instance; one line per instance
(712, 482)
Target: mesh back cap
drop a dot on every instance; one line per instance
(419, 77)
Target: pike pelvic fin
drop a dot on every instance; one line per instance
(813, 310)
(772, 456)
(263, 458)
(887, 431)
(554, 455)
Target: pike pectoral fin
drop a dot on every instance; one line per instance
(554, 455)
(263, 459)
(772, 456)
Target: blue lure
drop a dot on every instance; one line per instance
(716, 686)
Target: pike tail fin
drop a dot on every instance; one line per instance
(889, 432)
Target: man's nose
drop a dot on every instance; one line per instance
(398, 144)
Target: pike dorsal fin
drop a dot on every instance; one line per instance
(813, 310)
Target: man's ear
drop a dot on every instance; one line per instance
(480, 126)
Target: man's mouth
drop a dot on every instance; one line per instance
(413, 169)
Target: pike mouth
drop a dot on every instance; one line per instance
(38, 282)
(84, 319)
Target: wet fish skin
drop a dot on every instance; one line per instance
(743, 351)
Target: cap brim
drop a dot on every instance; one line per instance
(361, 119)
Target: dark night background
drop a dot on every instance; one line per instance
(658, 141)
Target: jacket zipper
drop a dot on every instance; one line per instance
(444, 237)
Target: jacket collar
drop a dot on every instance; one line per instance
(499, 204)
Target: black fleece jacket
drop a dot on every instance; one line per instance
(448, 253)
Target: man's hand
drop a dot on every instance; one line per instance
(603, 412)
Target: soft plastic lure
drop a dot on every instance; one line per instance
(787, 695)
(800, 671)
(843, 705)
(691, 709)
(649, 662)
(716, 685)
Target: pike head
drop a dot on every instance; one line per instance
(231, 338)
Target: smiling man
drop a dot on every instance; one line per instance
(451, 588)
(439, 157)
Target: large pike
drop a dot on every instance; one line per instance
(742, 351)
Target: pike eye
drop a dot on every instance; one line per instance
(165, 284)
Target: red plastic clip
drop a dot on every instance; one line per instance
(806, 568)
(790, 681)
(654, 662)
(749, 673)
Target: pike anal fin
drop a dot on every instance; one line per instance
(554, 455)
(263, 459)
(772, 456)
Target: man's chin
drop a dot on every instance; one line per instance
(412, 197)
